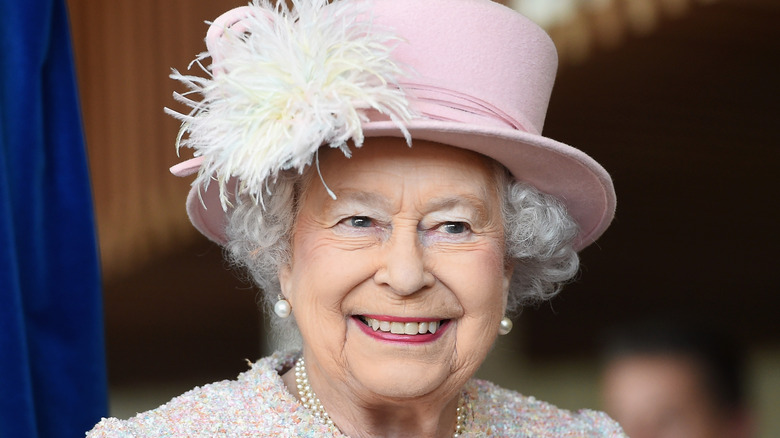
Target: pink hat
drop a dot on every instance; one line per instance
(481, 78)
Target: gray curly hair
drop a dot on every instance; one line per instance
(538, 235)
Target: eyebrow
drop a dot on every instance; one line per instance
(356, 196)
(472, 201)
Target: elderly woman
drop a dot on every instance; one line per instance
(379, 170)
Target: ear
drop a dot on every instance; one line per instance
(285, 280)
(509, 269)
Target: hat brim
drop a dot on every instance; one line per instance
(552, 167)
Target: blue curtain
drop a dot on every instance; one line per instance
(52, 366)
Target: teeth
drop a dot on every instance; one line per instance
(403, 328)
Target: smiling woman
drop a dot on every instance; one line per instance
(404, 269)
(394, 220)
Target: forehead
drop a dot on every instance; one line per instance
(387, 165)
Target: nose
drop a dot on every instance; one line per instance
(403, 266)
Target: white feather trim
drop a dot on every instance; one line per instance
(293, 81)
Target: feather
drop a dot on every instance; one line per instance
(294, 80)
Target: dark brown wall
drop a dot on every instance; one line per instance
(686, 121)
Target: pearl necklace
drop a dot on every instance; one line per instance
(308, 398)
(311, 402)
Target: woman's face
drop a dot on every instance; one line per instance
(413, 243)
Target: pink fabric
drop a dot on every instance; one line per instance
(482, 80)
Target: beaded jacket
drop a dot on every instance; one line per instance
(257, 404)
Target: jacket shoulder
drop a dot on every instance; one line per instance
(501, 412)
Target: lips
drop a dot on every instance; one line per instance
(396, 329)
(404, 327)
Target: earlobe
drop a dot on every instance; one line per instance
(285, 279)
(283, 307)
(510, 269)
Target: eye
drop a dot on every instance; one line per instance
(360, 221)
(454, 227)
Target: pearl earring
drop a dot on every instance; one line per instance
(282, 308)
(505, 326)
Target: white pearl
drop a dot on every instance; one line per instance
(282, 308)
(505, 327)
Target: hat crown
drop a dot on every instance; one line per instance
(485, 56)
(473, 74)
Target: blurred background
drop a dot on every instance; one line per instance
(678, 99)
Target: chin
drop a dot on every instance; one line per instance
(404, 381)
(398, 370)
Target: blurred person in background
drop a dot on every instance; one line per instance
(668, 380)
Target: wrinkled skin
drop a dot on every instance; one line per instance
(413, 233)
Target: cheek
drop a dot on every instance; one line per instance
(477, 282)
(323, 273)
(477, 279)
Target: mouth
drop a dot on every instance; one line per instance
(403, 326)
